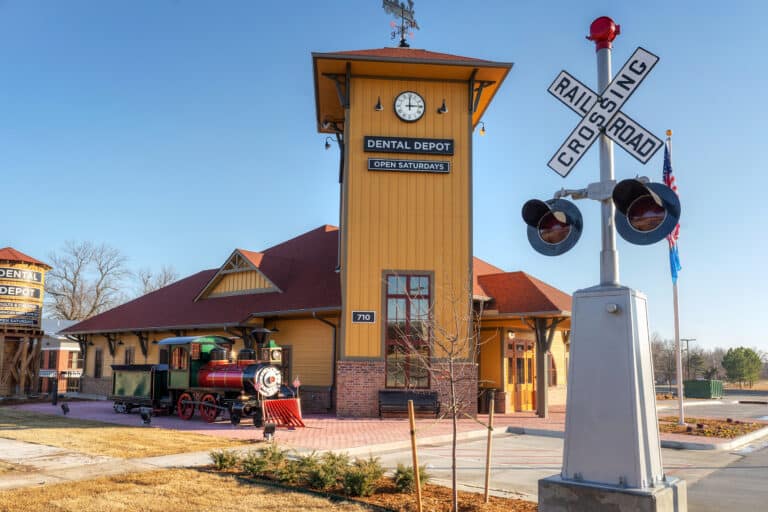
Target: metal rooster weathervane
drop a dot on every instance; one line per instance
(407, 19)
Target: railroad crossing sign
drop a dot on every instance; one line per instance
(602, 114)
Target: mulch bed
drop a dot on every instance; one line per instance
(706, 427)
(436, 498)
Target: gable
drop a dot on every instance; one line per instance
(239, 275)
(247, 281)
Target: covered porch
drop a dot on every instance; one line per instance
(524, 343)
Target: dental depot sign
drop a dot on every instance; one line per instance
(21, 296)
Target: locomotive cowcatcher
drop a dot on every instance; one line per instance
(200, 375)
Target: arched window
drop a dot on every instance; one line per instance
(552, 371)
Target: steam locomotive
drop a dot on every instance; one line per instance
(200, 376)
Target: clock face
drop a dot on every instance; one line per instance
(409, 106)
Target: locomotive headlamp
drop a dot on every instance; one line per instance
(645, 212)
(554, 226)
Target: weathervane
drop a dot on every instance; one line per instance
(407, 19)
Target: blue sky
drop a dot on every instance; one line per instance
(178, 130)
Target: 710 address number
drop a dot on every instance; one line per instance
(363, 317)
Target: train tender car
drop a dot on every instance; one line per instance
(140, 385)
(200, 376)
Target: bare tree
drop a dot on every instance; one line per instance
(450, 363)
(86, 280)
(150, 281)
(664, 359)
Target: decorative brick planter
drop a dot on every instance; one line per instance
(357, 387)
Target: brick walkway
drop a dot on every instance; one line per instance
(322, 432)
(325, 432)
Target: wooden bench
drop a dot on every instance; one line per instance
(395, 402)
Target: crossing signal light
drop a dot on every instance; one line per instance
(645, 212)
(554, 226)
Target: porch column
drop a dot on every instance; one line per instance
(545, 333)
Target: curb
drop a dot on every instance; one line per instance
(665, 443)
(693, 404)
(721, 447)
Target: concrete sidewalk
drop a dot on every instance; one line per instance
(358, 437)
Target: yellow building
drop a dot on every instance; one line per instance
(370, 306)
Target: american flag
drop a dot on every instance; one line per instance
(669, 180)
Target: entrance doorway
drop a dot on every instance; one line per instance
(521, 366)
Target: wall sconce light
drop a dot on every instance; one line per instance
(90, 343)
(328, 143)
(154, 342)
(120, 342)
(482, 128)
(511, 335)
(443, 109)
(378, 107)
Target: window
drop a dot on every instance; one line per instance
(407, 334)
(71, 359)
(98, 363)
(52, 359)
(552, 371)
(129, 351)
(73, 385)
(179, 358)
(163, 356)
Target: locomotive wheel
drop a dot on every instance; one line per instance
(208, 409)
(185, 411)
(234, 418)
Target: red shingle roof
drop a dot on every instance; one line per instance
(520, 293)
(304, 268)
(11, 254)
(481, 268)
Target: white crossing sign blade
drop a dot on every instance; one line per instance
(602, 112)
(623, 130)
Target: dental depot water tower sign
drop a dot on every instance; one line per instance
(22, 283)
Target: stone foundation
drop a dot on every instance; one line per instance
(316, 399)
(357, 387)
(558, 495)
(465, 378)
(358, 384)
(93, 386)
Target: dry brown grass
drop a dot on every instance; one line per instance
(164, 491)
(5, 467)
(96, 438)
(761, 385)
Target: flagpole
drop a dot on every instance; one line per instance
(678, 348)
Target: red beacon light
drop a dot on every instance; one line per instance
(603, 31)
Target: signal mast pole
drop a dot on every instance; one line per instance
(603, 31)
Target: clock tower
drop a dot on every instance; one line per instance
(403, 119)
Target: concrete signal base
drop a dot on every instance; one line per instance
(558, 495)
